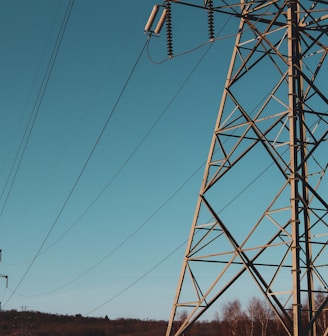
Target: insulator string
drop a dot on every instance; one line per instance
(210, 16)
(169, 30)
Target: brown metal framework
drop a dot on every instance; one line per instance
(269, 155)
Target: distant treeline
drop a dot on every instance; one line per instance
(256, 320)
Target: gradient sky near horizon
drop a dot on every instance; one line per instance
(101, 165)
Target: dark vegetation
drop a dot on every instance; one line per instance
(29, 323)
(256, 320)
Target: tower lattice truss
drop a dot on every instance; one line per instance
(261, 215)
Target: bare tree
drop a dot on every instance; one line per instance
(234, 318)
(259, 314)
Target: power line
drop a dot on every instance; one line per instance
(139, 228)
(105, 77)
(125, 163)
(143, 139)
(239, 194)
(36, 108)
(81, 172)
(137, 147)
(138, 279)
(28, 98)
(135, 150)
(184, 242)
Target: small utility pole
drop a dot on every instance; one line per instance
(24, 308)
(3, 276)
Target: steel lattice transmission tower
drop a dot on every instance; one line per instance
(269, 149)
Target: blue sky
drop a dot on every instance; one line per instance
(91, 222)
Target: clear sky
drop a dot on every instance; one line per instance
(101, 165)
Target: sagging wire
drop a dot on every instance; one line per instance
(134, 232)
(176, 55)
(37, 105)
(204, 44)
(107, 122)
